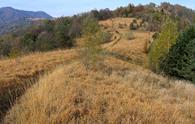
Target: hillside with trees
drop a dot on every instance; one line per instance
(47, 35)
(11, 19)
(131, 65)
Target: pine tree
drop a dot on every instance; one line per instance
(180, 61)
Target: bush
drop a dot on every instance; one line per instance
(45, 42)
(61, 33)
(143, 25)
(7, 44)
(161, 45)
(147, 45)
(129, 35)
(134, 25)
(180, 61)
(14, 53)
(5, 48)
(106, 37)
(155, 36)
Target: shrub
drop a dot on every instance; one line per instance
(45, 42)
(147, 45)
(161, 45)
(155, 36)
(14, 53)
(7, 43)
(5, 48)
(61, 33)
(105, 37)
(129, 35)
(134, 25)
(180, 61)
(143, 25)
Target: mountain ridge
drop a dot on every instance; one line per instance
(11, 18)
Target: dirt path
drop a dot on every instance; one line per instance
(19, 74)
(116, 38)
(133, 51)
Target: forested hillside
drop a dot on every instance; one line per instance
(60, 33)
(11, 19)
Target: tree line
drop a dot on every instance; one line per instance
(60, 33)
(44, 36)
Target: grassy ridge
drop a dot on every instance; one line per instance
(119, 91)
(18, 74)
(108, 95)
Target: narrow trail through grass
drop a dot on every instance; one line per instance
(23, 74)
(33, 67)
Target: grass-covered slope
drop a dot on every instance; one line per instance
(107, 95)
(17, 74)
(119, 91)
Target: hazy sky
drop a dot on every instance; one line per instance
(69, 7)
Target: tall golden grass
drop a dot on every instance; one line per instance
(118, 92)
(17, 74)
(72, 95)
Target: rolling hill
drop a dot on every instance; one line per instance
(41, 85)
(11, 18)
(122, 90)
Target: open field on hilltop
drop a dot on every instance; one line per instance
(121, 95)
(133, 49)
(16, 74)
(116, 21)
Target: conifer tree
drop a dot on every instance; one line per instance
(180, 61)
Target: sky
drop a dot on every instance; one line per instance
(57, 8)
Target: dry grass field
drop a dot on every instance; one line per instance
(16, 74)
(133, 49)
(116, 21)
(121, 91)
(72, 95)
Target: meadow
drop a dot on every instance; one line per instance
(121, 90)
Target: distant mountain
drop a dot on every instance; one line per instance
(11, 18)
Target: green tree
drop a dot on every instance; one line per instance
(180, 61)
(6, 45)
(29, 38)
(45, 42)
(75, 28)
(61, 30)
(161, 45)
(92, 46)
(5, 48)
(48, 25)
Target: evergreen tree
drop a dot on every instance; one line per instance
(61, 30)
(180, 61)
